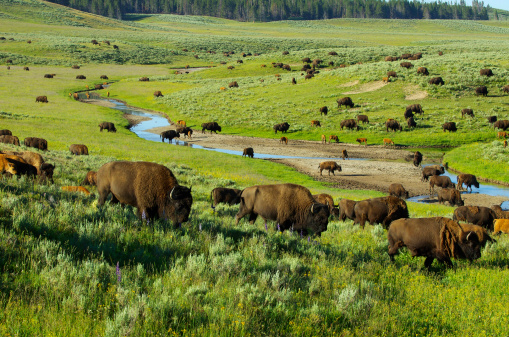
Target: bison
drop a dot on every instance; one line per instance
(505, 89)
(468, 179)
(417, 108)
(230, 196)
(407, 65)
(346, 101)
(344, 154)
(468, 112)
(449, 126)
(333, 137)
(211, 126)
(451, 195)
(500, 213)
(283, 127)
(81, 77)
(41, 99)
(144, 79)
(436, 81)
(38, 143)
(158, 93)
(411, 123)
(349, 124)
(16, 165)
(388, 141)
(324, 110)
(363, 118)
(477, 215)
(48, 75)
(434, 238)
(290, 205)
(90, 179)
(315, 123)
(331, 166)
(248, 151)
(491, 119)
(397, 190)
(432, 170)
(169, 134)
(391, 74)
(501, 226)
(422, 71)
(347, 209)
(283, 140)
(8, 139)
(151, 188)
(501, 124)
(440, 181)
(482, 90)
(393, 125)
(408, 114)
(486, 72)
(362, 140)
(233, 84)
(382, 210)
(417, 158)
(78, 149)
(326, 199)
(107, 126)
(185, 130)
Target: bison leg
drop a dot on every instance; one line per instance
(428, 262)
(252, 218)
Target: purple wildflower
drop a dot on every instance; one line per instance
(119, 275)
(301, 234)
(266, 226)
(278, 228)
(309, 238)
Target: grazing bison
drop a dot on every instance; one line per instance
(144, 79)
(233, 84)
(347, 209)
(422, 71)
(169, 134)
(434, 238)
(81, 77)
(407, 65)
(417, 108)
(324, 110)
(468, 112)
(31, 158)
(440, 181)
(398, 190)
(451, 195)
(477, 215)
(283, 140)
(103, 77)
(449, 126)
(363, 118)
(411, 122)
(391, 58)
(18, 166)
(391, 74)
(158, 93)
(382, 210)
(46, 172)
(344, 154)
(41, 99)
(346, 101)
(417, 158)
(408, 114)
(333, 137)
(38, 143)
(294, 81)
(388, 141)
(505, 89)
(107, 126)
(501, 124)
(290, 205)
(7, 139)
(48, 75)
(90, 179)
(469, 180)
(283, 127)
(324, 139)
(482, 90)
(349, 124)
(500, 213)
(486, 72)
(501, 226)
(393, 125)
(230, 196)
(326, 199)
(78, 149)
(502, 134)
(249, 152)
(315, 123)
(211, 126)
(331, 166)
(436, 81)
(432, 170)
(5, 132)
(491, 119)
(150, 187)
(362, 140)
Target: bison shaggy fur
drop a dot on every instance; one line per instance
(450, 195)
(78, 149)
(346, 101)
(468, 179)
(38, 143)
(397, 190)
(230, 196)
(436, 81)
(211, 126)
(449, 126)
(382, 210)
(41, 99)
(90, 179)
(107, 126)
(7, 139)
(326, 199)
(477, 215)
(482, 90)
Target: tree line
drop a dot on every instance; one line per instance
(273, 10)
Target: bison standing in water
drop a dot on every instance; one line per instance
(150, 187)
(434, 238)
(290, 205)
(468, 179)
(170, 135)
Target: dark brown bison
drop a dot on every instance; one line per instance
(423, 71)
(324, 110)
(283, 127)
(436, 81)
(283, 140)
(308, 76)
(75, 67)
(230, 196)
(19, 166)
(81, 77)
(469, 180)
(7, 139)
(391, 58)
(449, 126)
(233, 84)
(482, 90)
(150, 187)
(481, 232)
(392, 74)
(393, 125)
(38, 143)
(468, 112)
(107, 126)
(501, 124)
(505, 89)
(382, 210)
(144, 79)
(440, 181)
(249, 152)
(417, 158)
(211, 126)
(407, 65)
(185, 130)
(46, 172)
(41, 99)
(346, 101)
(78, 149)
(362, 118)
(411, 122)
(290, 205)
(417, 108)
(432, 170)
(103, 77)
(90, 179)
(48, 75)
(331, 166)
(98, 86)
(398, 190)
(491, 119)
(158, 93)
(408, 114)
(294, 81)
(451, 195)
(406, 56)
(349, 124)
(286, 67)
(31, 158)
(170, 135)
(347, 209)
(5, 132)
(434, 238)
(344, 154)
(499, 212)
(326, 199)
(315, 123)
(486, 72)
(477, 215)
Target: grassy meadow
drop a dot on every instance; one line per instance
(102, 271)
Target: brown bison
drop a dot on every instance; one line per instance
(107, 126)
(331, 166)
(249, 152)
(333, 137)
(481, 232)
(417, 108)
(449, 126)
(48, 75)
(432, 170)
(391, 58)
(158, 93)
(90, 179)
(290, 205)
(388, 141)
(362, 140)
(150, 187)
(7, 139)
(417, 158)
(211, 126)
(477, 215)
(78, 149)
(31, 158)
(38, 143)
(103, 77)
(326, 199)
(436, 81)
(315, 123)
(382, 210)
(41, 99)
(451, 195)
(283, 140)
(144, 79)
(501, 124)
(170, 135)
(230, 196)
(434, 238)
(440, 181)
(347, 209)
(294, 81)
(81, 77)
(501, 226)
(468, 112)
(398, 190)
(408, 114)
(393, 125)
(423, 71)
(499, 212)
(349, 124)
(491, 119)
(505, 89)
(468, 179)
(344, 154)
(5, 132)
(407, 65)
(482, 90)
(391, 74)
(283, 127)
(233, 84)
(363, 118)
(324, 110)
(486, 72)
(346, 101)
(411, 122)
(16, 165)
(185, 130)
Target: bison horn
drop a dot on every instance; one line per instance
(312, 207)
(171, 193)
(468, 236)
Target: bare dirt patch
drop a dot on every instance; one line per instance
(412, 93)
(349, 84)
(372, 86)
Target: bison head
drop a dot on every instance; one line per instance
(317, 218)
(178, 204)
(47, 170)
(470, 245)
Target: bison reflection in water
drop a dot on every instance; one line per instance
(150, 187)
